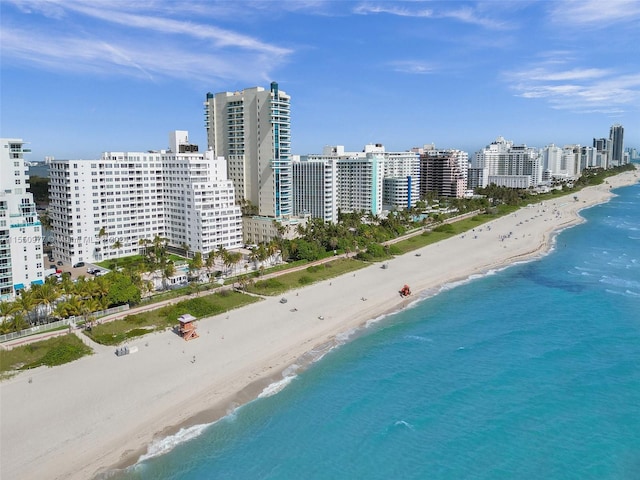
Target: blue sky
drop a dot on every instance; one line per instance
(82, 77)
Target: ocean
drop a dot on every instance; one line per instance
(41, 169)
(530, 372)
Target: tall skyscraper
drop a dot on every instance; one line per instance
(616, 139)
(252, 130)
(21, 253)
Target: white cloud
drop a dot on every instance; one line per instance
(594, 13)
(391, 9)
(121, 57)
(464, 14)
(144, 45)
(413, 67)
(577, 89)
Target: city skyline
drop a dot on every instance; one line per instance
(80, 78)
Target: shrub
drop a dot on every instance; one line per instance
(305, 280)
(60, 354)
(445, 228)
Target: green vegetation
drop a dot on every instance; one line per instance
(118, 331)
(312, 274)
(50, 352)
(39, 186)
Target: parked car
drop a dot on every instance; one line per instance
(60, 262)
(52, 266)
(79, 264)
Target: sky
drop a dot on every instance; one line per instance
(81, 77)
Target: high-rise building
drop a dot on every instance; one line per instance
(21, 252)
(315, 187)
(509, 165)
(252, 130)
(372, 180)
(616, 139)
(360, 183)
(443, 172)
(102, 209)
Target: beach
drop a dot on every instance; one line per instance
(86, 417)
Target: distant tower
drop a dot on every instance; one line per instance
(616, 137)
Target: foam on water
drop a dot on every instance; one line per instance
(166, 444)
(276, 387)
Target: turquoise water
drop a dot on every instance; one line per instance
(532, 372)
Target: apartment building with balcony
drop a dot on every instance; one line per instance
(444, 172)
(21, 253)
(509, 165)
(315, 187)
(102, 209)
(252, 130)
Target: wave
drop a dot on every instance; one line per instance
(619, 282)
(626, 293)
(402, 423)
(418, 338)
(276, 387)
(166, 444)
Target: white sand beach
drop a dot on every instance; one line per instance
(80, 419)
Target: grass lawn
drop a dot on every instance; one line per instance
(135, 260)
(50, 352)
(313, 274)
(449, 230)
(136, 325)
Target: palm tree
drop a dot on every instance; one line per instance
(26, 302)
(17, 323)
(46, 295)
(117, 245)
(168, 271)
(253, 257)
(211, 262)
(7, 310)
(73, 306)
(196, 264)
(232, 260)
(66, 285)
(272, 249)
(144, 243)
(221, 253)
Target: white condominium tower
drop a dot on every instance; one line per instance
(561, 163)
(252, 130)
(21, 254)
(101, 209)
(371, 181)
(509, 165)
(315, 187)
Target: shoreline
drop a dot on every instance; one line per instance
(102, 412)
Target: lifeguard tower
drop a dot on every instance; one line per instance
(187, 326)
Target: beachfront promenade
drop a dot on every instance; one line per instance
(82, 418)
